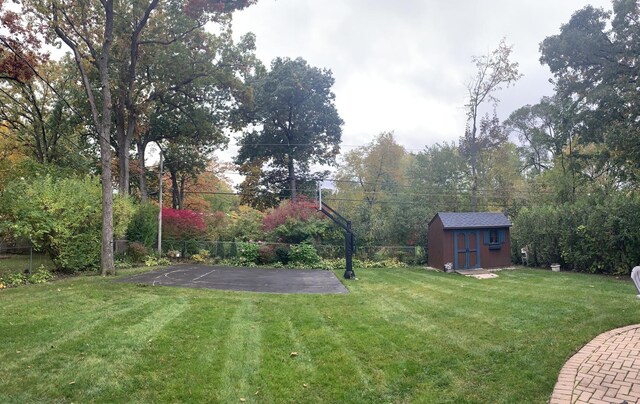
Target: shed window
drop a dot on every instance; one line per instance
(494, 238)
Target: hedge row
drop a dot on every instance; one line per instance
(596, 235)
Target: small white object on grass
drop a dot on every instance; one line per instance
(635, 276)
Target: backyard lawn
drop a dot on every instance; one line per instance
(401, 335)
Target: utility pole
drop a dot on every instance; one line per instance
(160, 209)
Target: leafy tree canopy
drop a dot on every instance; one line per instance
(296, 123)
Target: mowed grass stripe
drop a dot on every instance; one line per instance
(80, 364)
(128, 337)
(185, 362)
(400, 336)
(63, 322)
(285, 373)
(242, 354)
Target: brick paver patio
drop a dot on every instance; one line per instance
(606, 370)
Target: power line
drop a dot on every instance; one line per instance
(349, 146)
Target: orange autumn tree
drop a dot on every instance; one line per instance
(209, 192)
(11, 155)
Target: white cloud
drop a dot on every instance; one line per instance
(403, 65)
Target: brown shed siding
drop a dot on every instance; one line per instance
(496, 258)
(435, 245)
(441, 246)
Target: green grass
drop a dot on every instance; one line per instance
(401, 335)
(18, 263)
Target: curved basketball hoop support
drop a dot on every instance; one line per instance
(349, 237)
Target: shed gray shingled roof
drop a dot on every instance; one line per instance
(466, 220)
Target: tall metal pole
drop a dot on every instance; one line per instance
(160, 209)
(348, 249)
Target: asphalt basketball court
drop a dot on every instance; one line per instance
(243, 279)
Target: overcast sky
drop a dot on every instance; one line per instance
(403, 65)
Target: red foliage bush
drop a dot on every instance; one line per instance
(182, 224)
(302, 208)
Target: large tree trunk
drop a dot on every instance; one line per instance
(101, 120)
(106, 260)
(292, 177)
(142, 146)
(123, 148)
(181, 193)
(175, 200)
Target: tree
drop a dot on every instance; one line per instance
(494, 70)
(86, 27)
(502, 184)
(534, 129)
(257, 189)
(439, 174)
(90, 41)
(192, 98)
(210, 191)
(21, 41)
(168, 38)
(595, 63)
(40, 114)
(372, 176)
(296, 123)
(12, 155)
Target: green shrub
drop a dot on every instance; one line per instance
(40, 276)
(220, 250)
(597, 234)
(15, 280)
(137, 251)
(304, 254)
(153, 261)
(282, 254)
(332, 264)
(390, 263)
(249, 253)
(267, 254)
(297, 231)
(143, 226)
(60, 216)
(233, 251)
(339, 263)
(122, 264)
(201, 257)
(245, 224)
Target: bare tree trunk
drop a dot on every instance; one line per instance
(142, 146)
(473, 159)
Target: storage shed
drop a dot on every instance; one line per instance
(469, 240)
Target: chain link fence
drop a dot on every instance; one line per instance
(23, 258)
(412, 255)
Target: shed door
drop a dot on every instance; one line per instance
(466, 247)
